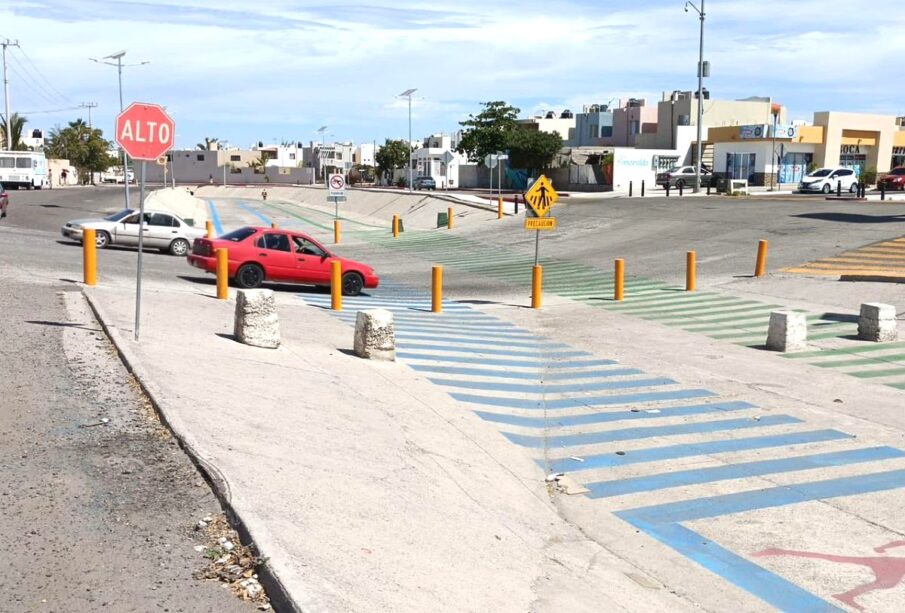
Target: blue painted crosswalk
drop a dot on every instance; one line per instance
(621, 432)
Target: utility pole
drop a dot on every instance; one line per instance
(408, 94)
(89, 106)
(9, 122)
(697, 168)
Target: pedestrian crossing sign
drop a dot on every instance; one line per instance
(541, 197)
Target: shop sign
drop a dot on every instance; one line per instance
(665, 162)
(755, 131)
(851, 150)
(898, 150)
(787, 131)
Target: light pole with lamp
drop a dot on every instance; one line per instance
(697, 168)
(408, 94)
(322, 130)
(118, 56)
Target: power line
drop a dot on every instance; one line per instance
(48, 111)
(57, 92)
(34, 87)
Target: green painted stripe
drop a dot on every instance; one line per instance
(740, 314)
(898, 386)
(886, 359)
(704, 314)
(669, 295)
(676, 305)
(871, 374)
(836, 351)
(836, 334)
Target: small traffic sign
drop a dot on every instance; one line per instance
(337, 185)
(541, 197)
(540, 223)
(145, 131)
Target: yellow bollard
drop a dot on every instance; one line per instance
(449, 221)
(336, 285)
(619, 292)
(499, 208)
(690, 272)
(89, 257)
(537, 283)
(395, 226)
(222, 274)
(209, 226)
(761, 267)
(273, 225)
(437, 289)
(337, 230)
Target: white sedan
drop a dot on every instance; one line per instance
(161, 230)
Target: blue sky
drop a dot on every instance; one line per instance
(278, 70)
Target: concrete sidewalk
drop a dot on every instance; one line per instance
(366, 487)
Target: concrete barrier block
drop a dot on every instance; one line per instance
(877, 322)
(375, 335)
(788, 331)
(256, 322)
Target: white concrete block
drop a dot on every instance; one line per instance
(375, 335)
(877, 322)
(256, 322)
(788, 331)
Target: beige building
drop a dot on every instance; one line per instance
(564, 125)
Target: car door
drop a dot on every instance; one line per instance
(161, 230)
(312, 263)
(275, 254)
(126, 231)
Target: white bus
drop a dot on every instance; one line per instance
(26, 169)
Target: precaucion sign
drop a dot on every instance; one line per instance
(540, 223)
(337, 186)
(541, 197)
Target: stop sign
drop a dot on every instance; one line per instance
(145, 131)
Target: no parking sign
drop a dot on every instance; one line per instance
(336, 186)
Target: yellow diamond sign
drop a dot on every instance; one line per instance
(541, 197)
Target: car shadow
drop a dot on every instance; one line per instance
(278, 287)
(852, 217)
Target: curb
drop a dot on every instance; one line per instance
(280, 599)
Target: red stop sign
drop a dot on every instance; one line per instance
(145, 131)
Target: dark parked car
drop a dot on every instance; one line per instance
(4, 201)
(683, 176)
(894, 180)
(424, 183)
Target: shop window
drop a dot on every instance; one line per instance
(741, 166)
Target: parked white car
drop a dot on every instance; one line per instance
(826, 179)
(162, 230)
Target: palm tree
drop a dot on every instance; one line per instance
(258, 164)
(208, 143)
(17, 125)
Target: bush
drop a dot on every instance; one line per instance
(400, 182)
(869, 176)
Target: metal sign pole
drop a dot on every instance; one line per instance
(141, 235)
(336, 207)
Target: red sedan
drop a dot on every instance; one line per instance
(895, 180)
(263, 254)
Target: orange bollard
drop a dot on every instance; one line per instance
(336, 285)
(222, 274)
(619, 290)
(761, 267)
(209, 227)
(437, 289)
(337, 230)
(499, 208)
(537, 285)
(690, 272)
(89, 257)
(449, 219)
(395, 226)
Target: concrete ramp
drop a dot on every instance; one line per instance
(418, 210)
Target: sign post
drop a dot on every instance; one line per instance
(336, 191)
(145, 132)
(540, 198)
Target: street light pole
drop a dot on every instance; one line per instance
(118, 56)
(697, 168)
(9, 120)
(408, 94)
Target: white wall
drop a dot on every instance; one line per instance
(637, 165)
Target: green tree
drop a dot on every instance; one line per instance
(531, 150)
(17, 126)
(488, 131)
(84, 147)
(259, 164)
(208, 143)
(393, 155)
